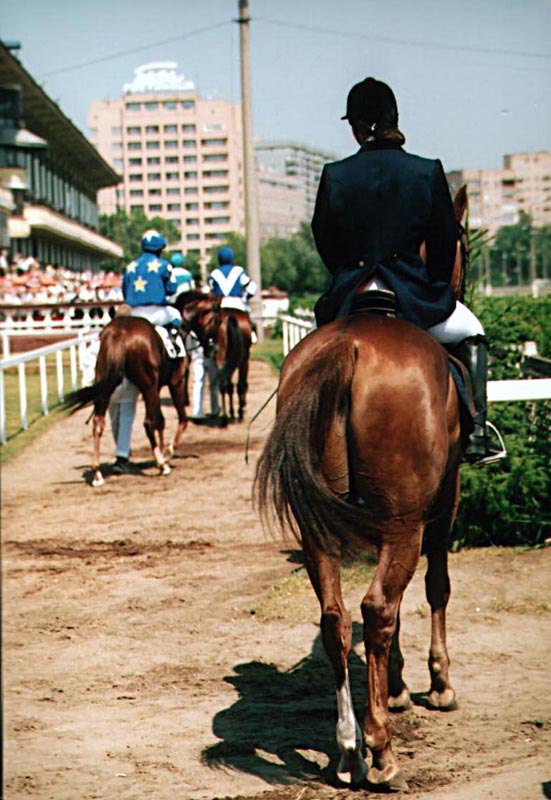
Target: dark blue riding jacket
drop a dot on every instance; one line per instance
(373, 211)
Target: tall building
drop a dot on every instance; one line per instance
(281, 203)
(497, 196)
(49, 176)
(179, 155)
(296, 160)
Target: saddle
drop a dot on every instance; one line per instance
(173, 343)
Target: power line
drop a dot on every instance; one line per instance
(133, 50)
(406, 42)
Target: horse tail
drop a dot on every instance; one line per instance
(109, 372)
(234, 350)
(292, 490)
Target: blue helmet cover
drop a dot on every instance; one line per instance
(225, 255)
(153, 241)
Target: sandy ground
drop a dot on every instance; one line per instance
(157, 645)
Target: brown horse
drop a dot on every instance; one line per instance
(226, 332)
(365, 451)
(130, 347)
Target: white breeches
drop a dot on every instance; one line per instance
(461, 323)
(199, 367)
(238, 303)
(158, 315)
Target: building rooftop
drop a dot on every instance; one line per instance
(45, 118)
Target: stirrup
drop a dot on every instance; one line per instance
(494, 456)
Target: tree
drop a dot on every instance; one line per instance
(127, 230)
(293, 264)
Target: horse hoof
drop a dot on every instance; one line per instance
(352, 768)
(442, 701)
(98, 480)
(390, 778)
(165, 469)
(401, 702)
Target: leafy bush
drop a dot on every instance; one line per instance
(508, 503)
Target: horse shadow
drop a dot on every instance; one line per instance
(284, 720)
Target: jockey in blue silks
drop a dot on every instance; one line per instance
(230, 282)
(148, 280)
(181, 276)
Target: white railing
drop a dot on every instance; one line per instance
(74, 347)
(295, 329)
(51, 318)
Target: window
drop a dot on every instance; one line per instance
(192, 206)
(217, 221)
(170, 128)
(152, 160)
(173, 191)
(173, 207)
(190, 159)
(172, 176)
(153, 176)
(216, 173)
(133, 106)
(192, 221)
(192, 237)
(191, 190)
(117, 163)
(214, 142)
(170, 105)
(152, 129)
(132, 130)
(152, 145)
(216, 189)
(151, 106)
(188, 129)
(155, 207)
(213, 126)
(220, 235)
(117, 147)
(190, 175)
(136, 208)
(137, 177)
(218, 205)
(171, 159)
(134, 145)
(188, 105)
(216, 157)
(171, 144)
(154, 192)
(135, 162)
(136, 193)
(189, 144)
(93, 131)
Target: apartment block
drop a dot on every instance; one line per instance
(295, 160)
(179, 155)
(497, 196)
(281, 203)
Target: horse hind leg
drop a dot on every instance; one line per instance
(154, 425)
(437, 583)
(398, 693)
(336, 632)
(397, 563)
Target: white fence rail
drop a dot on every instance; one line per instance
(74, 349)
(50, 318)
(295, 329)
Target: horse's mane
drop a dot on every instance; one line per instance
(192, 296)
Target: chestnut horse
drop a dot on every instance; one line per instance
(365, 451)
(226, 332)
(130, 347)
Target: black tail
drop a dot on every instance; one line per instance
(290, 487)
(109, 373)
(234, 350)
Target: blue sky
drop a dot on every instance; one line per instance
(472, 77)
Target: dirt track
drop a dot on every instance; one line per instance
(157, 646)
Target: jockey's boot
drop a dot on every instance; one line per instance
(473, 353)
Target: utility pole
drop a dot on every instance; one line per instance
(251, 203)
(533, 266)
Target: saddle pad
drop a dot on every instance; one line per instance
(466, 404)
(173, 349)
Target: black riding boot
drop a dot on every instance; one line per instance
(473, 353)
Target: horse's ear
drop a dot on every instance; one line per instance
(460, 202)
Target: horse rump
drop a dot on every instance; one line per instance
(294, 488)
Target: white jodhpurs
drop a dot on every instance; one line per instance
(122, 411)
(461, 324)
(158, 315)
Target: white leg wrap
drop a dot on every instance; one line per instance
(347, 727)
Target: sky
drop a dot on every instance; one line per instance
(472, 77)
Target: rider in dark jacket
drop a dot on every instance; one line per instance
(373, 211)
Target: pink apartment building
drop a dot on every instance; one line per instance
(179, 156)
